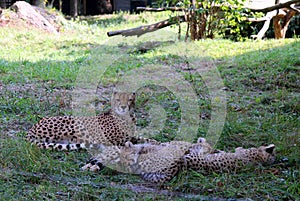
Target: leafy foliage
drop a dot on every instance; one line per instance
(208, 18)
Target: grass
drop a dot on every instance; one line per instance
(39, 72)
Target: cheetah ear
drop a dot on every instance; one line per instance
(270, 149)
(128, 144)
(113, 94)
(201, 140)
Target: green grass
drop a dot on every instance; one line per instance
(39, 71)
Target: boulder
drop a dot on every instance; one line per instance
(26, 12)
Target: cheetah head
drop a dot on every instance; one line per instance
(262, 154)
(122, 102)
(267, 154)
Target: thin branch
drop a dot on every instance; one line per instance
(266, 26)
(288, 4)
(268, 16)
(293, 7)
(159, 9)
(275, 7)
(255, 19)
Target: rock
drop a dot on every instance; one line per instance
(26, 12)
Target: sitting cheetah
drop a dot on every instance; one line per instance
(228, 162)
(155, 163)
(160, 163)
(73, 133)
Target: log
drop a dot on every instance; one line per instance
(138, 31)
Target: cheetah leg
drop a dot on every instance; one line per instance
(155, 177)
(93, 165)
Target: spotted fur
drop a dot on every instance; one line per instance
(160, 163)
(155, 163)
(229, 162)
(81, 132)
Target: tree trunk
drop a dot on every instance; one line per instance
(74, 8)
(60, 5)
(193, 25)
(281, 23)
(104, 6)
(84, 7)
(2, 4)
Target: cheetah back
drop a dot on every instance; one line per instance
(228, 162)
(71, 133)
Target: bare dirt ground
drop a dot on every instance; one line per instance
(22, 14)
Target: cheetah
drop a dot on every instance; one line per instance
(230, 162)
(160, 163)
(114, 127)
(155, 163)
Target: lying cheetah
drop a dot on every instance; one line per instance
(155, 163)
(228, 162)
(160, 163)
(72, 133)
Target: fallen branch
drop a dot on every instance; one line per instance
(147, 28)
